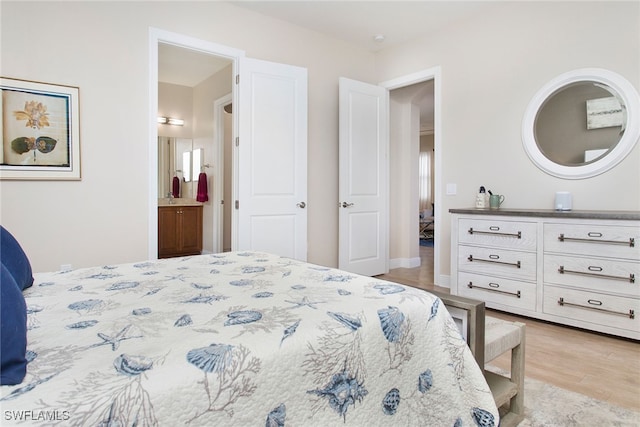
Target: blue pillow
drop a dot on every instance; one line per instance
(15, 260)
(13, 333)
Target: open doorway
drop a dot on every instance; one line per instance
(188, 82)
(199, 72)
(266, 221)
(414, 121)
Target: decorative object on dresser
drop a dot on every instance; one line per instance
(563, 201)
(179, 230)
(576, 268)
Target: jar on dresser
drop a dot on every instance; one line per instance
(578, 268)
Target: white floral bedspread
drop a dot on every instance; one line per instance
(241, 339)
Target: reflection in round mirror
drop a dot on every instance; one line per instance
(582, 123)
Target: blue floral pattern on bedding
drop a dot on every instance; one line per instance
(240, 339)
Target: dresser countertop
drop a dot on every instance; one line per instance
(551, 213)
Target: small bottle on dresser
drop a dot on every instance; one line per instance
(482, 198)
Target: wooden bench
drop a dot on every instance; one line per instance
(502, 336)
(489, 337)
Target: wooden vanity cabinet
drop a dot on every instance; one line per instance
(179, 231)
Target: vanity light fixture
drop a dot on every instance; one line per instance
(170, 121)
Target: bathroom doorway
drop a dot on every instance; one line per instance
(265, 221)
(199, 72)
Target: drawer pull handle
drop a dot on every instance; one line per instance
(517, 235)
(631, 314)
(631, 242)
(515, 264)
(470, 285)
(594, 268)
(630, 279)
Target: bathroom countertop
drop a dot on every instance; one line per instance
(586, 214)
(179, 201)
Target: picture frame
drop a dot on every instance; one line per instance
(469, 316)
(39, 131)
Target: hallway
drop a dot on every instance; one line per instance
(419, 277)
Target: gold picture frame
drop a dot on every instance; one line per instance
(40, 131)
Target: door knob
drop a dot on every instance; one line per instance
(346, 205)
(301, 205)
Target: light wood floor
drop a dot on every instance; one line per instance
(597, 365)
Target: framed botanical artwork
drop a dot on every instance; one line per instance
(40, 131)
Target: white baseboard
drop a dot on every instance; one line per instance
(404, 263)
(445, 281)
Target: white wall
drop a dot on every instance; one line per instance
(102, 47)
(404, 148)
(175, 101)
(492, 66)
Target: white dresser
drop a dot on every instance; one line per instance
(579, 268)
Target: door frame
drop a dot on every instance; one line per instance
(156, 36)
(434, 74)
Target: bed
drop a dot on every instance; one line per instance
(241, 339)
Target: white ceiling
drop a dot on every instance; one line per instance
(185, 67)
(355, 22)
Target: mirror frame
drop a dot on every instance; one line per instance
(629, 96)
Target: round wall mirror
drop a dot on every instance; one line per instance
(582, 123)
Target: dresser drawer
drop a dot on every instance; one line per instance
(600, 275)
(590, 307)
(497, 262)
(506, 234)
(612, 241)
(501, 291)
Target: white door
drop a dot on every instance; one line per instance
(272, 154)
(363, 181)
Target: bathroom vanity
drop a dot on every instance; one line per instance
(578, 268)
(179, 228)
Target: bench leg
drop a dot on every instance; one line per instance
(516, 404)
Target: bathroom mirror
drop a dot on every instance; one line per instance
(177, 158)
(582, 123)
